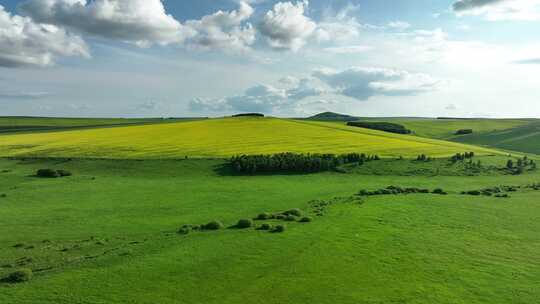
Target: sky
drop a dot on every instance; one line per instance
(170, 58)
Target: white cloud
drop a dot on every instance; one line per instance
(142, 22)
(356, 83)
(26, 43)
(224, 30)
(364, 83)
(399, 25)
(262, 98)
(498, 10)
(351, 49)
(286, 27)
(339, 27)
(23, 95)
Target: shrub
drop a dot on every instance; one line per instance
(279, 228)
(290, 218)
(306, 219)
(63, 173)
(439, 191)
(185, 229)
(19, 276)
(49, 173)
(265, 226)
(264, 216)
(244, 223)
(213, 225)
(295, 212)
(280, 217)
(464, 132)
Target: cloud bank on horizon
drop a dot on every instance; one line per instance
(276, 57)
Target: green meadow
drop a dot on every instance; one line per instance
(109, 233)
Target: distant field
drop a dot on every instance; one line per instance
(28, 124)
(446, 128)
(222, 138)
(524, 138)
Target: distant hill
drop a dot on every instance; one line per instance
(331, 116)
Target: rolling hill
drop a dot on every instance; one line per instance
(223, 138)
(525, 138)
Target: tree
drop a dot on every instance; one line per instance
(510, 164)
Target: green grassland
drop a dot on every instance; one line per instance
(223, 138)
(524, 138)
(446, 128)
(108, 235)
(521, 135)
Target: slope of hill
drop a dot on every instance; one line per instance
(446, 128)
(223, 138)
(28, 124)
(524, 138)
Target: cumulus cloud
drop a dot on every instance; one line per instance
(224, 30)
(24, 42)
(261, 98)
(356, 83)
(143, 22)
(340, 26)
(498, 10)
(286, 27)
(363, 83)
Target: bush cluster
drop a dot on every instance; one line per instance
(462, 156)
(381, 126)
(439, 191)
(51, 173)
(20, 276)
(306, 219)
(265, 226)
(464, 132)
(213, 225)
(294, 162)
(244, 223)
(279, 228)
(497, 191)
(390, 190)
(521, 165)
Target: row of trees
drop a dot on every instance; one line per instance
(381, 126)
(521, 165)
(294, 162)
(462, 156)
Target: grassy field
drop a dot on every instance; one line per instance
(522, 138)
(107, 235)
(29, 124)
(222, 138)
(446, 128)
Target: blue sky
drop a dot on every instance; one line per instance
(140, 58)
